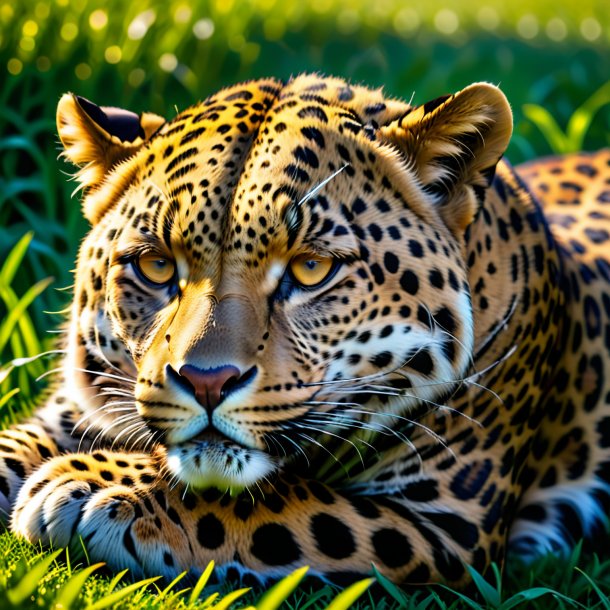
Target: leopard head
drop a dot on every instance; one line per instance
(275, 268)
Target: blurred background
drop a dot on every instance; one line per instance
(551, 57)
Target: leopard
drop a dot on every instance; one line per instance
(313, 324)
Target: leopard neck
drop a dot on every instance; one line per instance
(515, 278)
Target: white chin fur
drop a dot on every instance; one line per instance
(202, 464)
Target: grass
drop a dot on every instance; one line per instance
(31, 577)
(551, 58)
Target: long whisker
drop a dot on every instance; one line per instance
(316, 189)
(307, 427)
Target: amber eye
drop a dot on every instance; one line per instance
(309, 270)
(156, 269)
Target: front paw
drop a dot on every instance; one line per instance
(118, 518)
(50, 511)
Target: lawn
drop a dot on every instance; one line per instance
(551, 58)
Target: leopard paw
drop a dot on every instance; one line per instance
(125, 526)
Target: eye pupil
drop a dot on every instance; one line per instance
(311, 265)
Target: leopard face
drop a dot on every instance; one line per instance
(276, 266)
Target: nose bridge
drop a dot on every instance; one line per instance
(213, 332)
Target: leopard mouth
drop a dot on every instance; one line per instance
(211, 459)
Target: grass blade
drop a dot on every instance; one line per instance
(14, 259)
(490, 594)
(26, 586)
(117, 596)
(229, 598)
(602, 596)
(545, 122)
(201, 583)
(71, 590)
(348, 596)
(399, 595)
(281, 590)
(15, 314)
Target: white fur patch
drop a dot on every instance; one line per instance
(202, 464)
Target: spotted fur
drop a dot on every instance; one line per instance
(440, 395)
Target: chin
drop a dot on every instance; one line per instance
(221, 464)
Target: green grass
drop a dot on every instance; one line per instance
(30, 577)
(551, 58)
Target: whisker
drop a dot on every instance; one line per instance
(341, 438)
(316, 189)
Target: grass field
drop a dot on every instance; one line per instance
(551, 58)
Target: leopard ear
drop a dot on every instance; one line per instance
(453, 144)
(98, 138)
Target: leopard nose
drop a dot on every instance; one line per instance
(211, 385)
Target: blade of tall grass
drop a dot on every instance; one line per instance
(6, 328)
(272, 599)
(348, 596)
(114, 598)
(71, 590)
(18, 593)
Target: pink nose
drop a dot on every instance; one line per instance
(210, 385)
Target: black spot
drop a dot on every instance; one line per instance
(4, 488)
(320, 492)
(314, 112)
(43, 451)
(345, 94)
(243, 508)
(436, 279)
(425, 490)
(332, 536)
(392, 547)
(382, 205)
(416, 249)
(390, 262)
(592, 317)
(421, 362)
(311, 133)
(78, 465)
(274, 545)
(469, 481)
(381, 359)
(210, 532)
(597, 236)
(306, 155)
(173, 515)
(533, 512)
(586, 170)
(378, 275)
(444, 318)
(461, 531)
(375, 108)
(365, 508)
(435, 103)
(409, 282)
(419, 575)
(603, 429)
(273, 502)
(344, 153)
(448, 564)
(294, 172)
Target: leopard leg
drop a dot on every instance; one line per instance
(129, 516)
(24, 447)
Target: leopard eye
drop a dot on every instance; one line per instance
(156, 269)
(309, 270)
